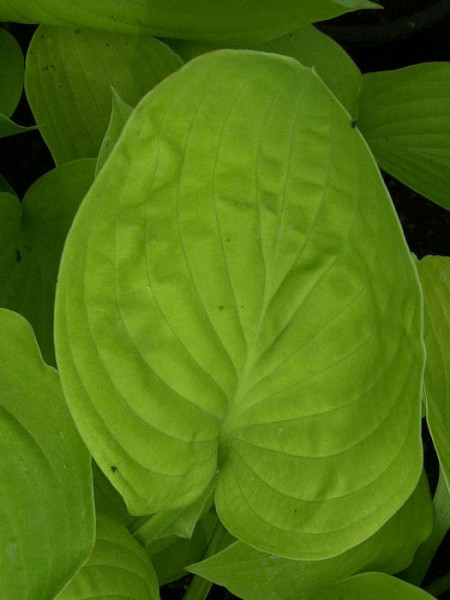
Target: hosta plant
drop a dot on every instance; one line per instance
(245, 345)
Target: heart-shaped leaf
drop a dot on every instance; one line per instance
(256, 316)
(46, 507)
(68, 82)
(251, 20)
(32, 235)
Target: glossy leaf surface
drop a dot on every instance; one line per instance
(68, 81)
(197, 19)
(117, 568)
(434, 274)
(252, 574)
(46, 507)
(256, 312)
(405, 117)
(32, 235)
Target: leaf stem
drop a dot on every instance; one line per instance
(199, 587)
(154, 527)
(416, 572)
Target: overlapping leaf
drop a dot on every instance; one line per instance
(11, 72)
(405, 117)
(372, 586)
(119, 116)
(434, 274)
(197, 19)
(46, 505)
(170, 555)
(310, 47)
(32, 235)
(11, 83)
(256, 313)
(68, 81)
(108, 501)
(117, 568)
(252, 574)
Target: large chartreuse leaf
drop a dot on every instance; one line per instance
(32, 235)
(118, 568)
(236, 299)
(405, 117)
(68, 82)
(372, 586)
(252, 574)
(434, 272)
(196, 19)
(46, 504)
(309, 46)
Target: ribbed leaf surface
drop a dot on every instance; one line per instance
(68, 81)
(251, 574)
(236, 294)
(405, 117)
(118, 568)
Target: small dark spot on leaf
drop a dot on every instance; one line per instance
(295, 510)
(113, 468)
(106, 44)
(77, 31)
(18, 255)
(221, 307)
(354, 124)
(42, 36)
(242, 306)
(228, 240)
(45, 68)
